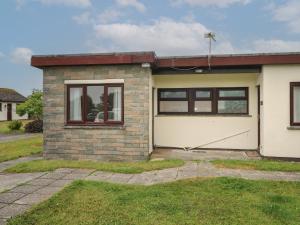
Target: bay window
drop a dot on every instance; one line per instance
(295, 103)
(203, 101)
(95, 104)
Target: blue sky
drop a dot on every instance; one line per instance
(169, 27)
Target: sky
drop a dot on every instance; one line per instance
(168, 27)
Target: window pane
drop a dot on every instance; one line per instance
(232, 106)
(173, 94)
(203, 106)
(95, 104)
(232, 93)
(114, 103)
(202, 94)
(297, 104)
(173, 106)
(75, 104)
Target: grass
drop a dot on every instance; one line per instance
(16, 149)
(6, 131)
(225, 201)
(117, 167)
(267, 165)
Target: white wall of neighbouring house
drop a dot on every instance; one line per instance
(278, 140)
(214, 131)
(15, 116)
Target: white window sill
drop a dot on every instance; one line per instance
(105, 127)
(293, 128)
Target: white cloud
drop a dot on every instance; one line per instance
(21, 55)
(109, 15)
(19, 4)
(289, 13)
(75, 3)
(276, 46)
(2, 55)
(133, 3)
(165, 36)
(84, 18)
(206, 3)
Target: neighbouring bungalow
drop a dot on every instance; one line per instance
(9, 99)
(119, 106)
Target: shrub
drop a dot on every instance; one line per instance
(15, 125)
(35, 126)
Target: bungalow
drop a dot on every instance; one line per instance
(9, 99)
(119, 106)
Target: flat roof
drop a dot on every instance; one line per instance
(121, 58)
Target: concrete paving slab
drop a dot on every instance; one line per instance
(60, 183)
(74, 176)
(53, 175)
(13, 210)
(41, 182)
(9, 181)
(26, 189)
(83, 171)
(199, 154)
(120, 178)
(142, 179)
(48, 190)
(32, 199)
(7, 197)
(64, 170)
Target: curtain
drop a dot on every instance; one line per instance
(297, 104)
(117, 102)
(75, 104)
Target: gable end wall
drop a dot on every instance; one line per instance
(127, 143)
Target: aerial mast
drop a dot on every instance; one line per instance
(212, 37)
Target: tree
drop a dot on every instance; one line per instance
(33, 106)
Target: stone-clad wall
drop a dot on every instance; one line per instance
(126, 143)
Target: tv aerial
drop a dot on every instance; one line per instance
(212, 37)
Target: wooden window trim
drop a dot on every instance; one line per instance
(214, 98)
(84, 121)
(292, 116)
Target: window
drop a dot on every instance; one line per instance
(173, 101)
(295, 104)
(203, 101)
(0, 107)
(95, 104)
(232, 100)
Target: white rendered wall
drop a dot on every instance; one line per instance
(277, 139)
(192, 131)
(15, 116)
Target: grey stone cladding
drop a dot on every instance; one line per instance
(121, 143)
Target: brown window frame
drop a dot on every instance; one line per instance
(84, 120)
(292, 116)
(186, 99)
(191, 98)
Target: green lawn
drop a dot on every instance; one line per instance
(117, 167)
(15, 149)
(267, 165)
(218, 201)
(4, 127)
